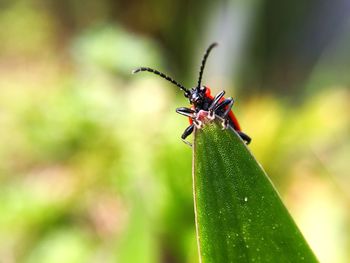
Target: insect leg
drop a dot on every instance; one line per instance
(186, 133)
(186, 112)
(216, 100)
(229, 107)
(244, 137)
(225, 103)
(228, 103)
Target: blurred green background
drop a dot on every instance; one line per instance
(91, 165)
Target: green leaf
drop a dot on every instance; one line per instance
(239, 215)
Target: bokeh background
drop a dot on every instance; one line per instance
(91, 165)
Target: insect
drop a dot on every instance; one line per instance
(201, 100)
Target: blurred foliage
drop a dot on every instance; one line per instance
(91, 165)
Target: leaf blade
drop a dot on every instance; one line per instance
(239, 215)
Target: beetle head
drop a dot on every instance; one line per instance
(196, 96)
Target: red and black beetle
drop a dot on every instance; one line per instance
(201, 99)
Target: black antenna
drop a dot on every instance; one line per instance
(162, 75)
(204, 60)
